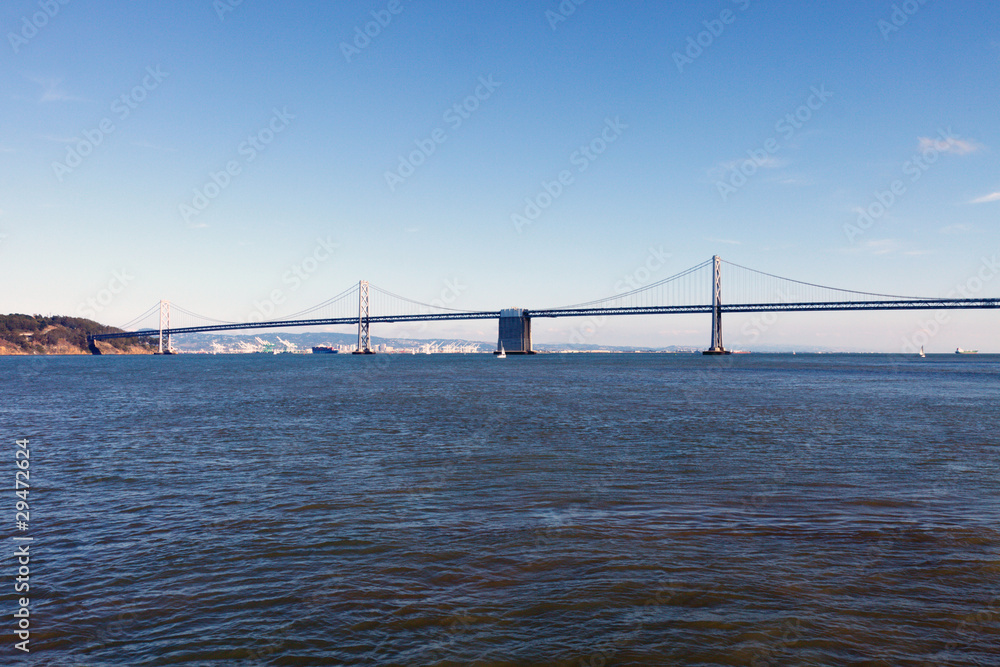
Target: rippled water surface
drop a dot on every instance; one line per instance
(560, 509)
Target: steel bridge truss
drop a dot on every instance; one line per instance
(915, 304)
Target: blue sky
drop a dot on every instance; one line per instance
(826, 108)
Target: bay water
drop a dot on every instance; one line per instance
(583, 509)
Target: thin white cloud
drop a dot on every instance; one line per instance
(795, 181)
(988, 198)
(146, 144)
(951, 145)
(52, 90)
(876, 247)
(55, 95)
(958, 228)
(882, 246)
(769, 162)
(722, 170)
(59, 140)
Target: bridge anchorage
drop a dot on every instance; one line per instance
(515, 332)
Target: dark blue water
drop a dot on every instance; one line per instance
(561, 509)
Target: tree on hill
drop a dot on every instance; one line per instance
(36, 334)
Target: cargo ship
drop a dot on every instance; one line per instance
(325, 349)
(961, 351)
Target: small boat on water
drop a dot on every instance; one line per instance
(922, 355)
(501, 354)
(325, 349)
(961, 351)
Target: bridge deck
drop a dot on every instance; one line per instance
(912, 304)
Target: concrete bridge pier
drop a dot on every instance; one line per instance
(515, 332)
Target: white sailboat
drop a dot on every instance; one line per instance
(922, 355)
(501, 354)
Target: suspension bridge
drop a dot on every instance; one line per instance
(698, 290)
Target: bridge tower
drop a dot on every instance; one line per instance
(717, 347)
(515, 332)
(364, 309)
(165, 325)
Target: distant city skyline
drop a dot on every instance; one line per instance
(219, 153)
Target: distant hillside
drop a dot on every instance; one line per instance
(202, 342)
(34, 334)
